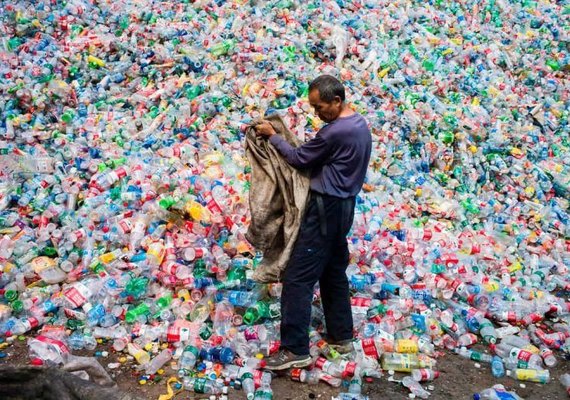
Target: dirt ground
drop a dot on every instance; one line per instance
(459, 379)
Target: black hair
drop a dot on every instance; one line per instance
(329, 87)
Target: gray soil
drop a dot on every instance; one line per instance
(459, 379)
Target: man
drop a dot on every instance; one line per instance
(338, 157)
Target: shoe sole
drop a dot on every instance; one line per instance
(290, 364)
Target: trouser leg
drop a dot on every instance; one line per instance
(303, 271)
(335, 296)
(333, 283)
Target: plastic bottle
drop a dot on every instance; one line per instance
(497, 392)
(337, 369)
(221, 354)
(415, 388)
(424, 374)
(311, 377)
(565, 380)
(157, 362)
(188, 359)
(203, 385)
(474, 355)
(548, 357)
(259, 310)
(139, 354)
(405, 362)
(505, 351)
(497, 367)
(248, 385)
(521, 343)
(532, 375)
(264, 392)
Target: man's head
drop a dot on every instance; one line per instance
(326, 96)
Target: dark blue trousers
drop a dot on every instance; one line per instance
(320, 254)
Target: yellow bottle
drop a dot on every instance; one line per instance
(406, 346)
(139, 354)
(155, 253)
(532, 375)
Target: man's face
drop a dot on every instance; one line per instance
(327, 112)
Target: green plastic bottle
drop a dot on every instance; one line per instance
(133, 315)
(223, 48)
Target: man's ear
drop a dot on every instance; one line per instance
(337, 100)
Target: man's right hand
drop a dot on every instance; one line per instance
(264, 128)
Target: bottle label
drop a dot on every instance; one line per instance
(296, 374)
(126, 225)
(200, 385)
(531, 375)
(322, 363)
(406, 346)
(274, 346)
(349, 369)
(169, 267)
(504, 395)
(369, 347)
(521, 354)
(251, 333)
(546, 352)
(398, 362)
(425, 374)
(213, 206)
(77, 295)
(360, 302)
(257, 375)
(59, 346)
(156, 250)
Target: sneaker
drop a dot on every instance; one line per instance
(284, 359)
(343, 346)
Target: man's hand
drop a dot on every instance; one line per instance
(264, 128)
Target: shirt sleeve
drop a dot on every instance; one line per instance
(307, 155)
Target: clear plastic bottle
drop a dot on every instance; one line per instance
(248, 385)
(505, 351)
(548, 356)
(264, 392)
(203, 385)
(532, 375)
(474, 355)
(565, 381)
(415, 388)
(311, 377)
(157, 362)
(188, 359)
(424, 374)
(405, 362)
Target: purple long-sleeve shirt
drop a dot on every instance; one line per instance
(338, 156)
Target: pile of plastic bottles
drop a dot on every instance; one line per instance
(124, 185)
